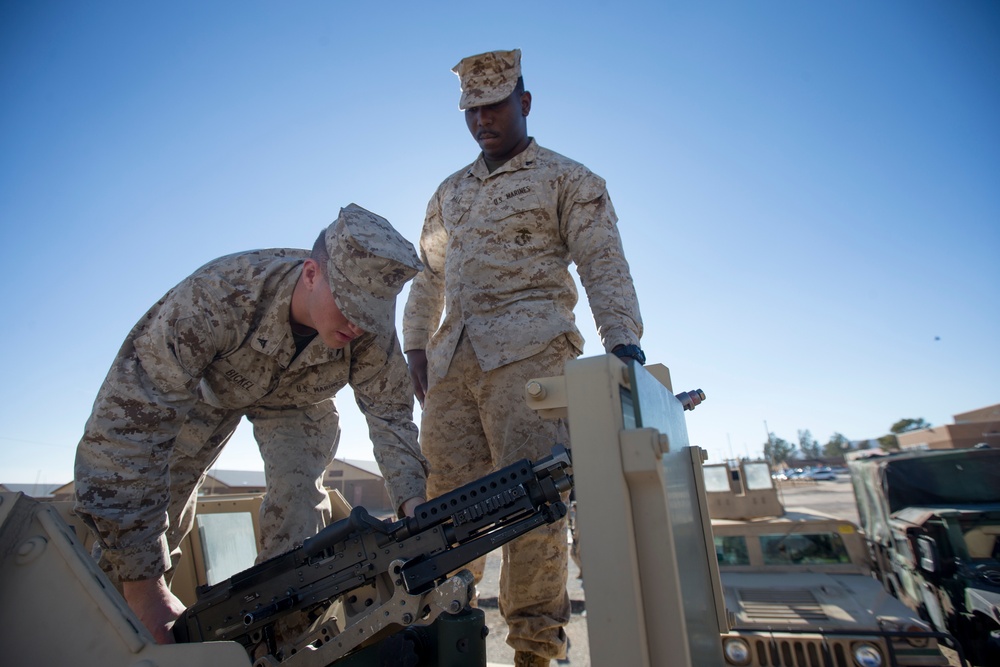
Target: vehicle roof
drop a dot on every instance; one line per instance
(960, 477)
(920, 515)
(793, 517)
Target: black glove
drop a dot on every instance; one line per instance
(630, 352)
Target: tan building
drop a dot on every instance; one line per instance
(360, 482)
(41, 491)
(970, 429)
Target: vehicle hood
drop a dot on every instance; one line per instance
(808, 600)
(982, 594)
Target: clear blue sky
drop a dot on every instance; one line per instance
(808, 192)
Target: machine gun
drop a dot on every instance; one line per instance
(384, 575)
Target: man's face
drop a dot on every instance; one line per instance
(501, 129)
(334, 329)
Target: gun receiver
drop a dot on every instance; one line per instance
(396, 572)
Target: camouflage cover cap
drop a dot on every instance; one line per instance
(369, 264)
(488, 77)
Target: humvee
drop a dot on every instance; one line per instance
(932, 521)
(799, 587)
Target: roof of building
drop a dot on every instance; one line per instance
(367, 466)
(235, 479)
(239, 478)
(33, 490)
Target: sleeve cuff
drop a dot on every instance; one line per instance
(146, 561)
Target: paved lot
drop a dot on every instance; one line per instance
(498, 653)
(834, 498)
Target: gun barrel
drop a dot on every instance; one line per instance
(413, 555)
(691, 399)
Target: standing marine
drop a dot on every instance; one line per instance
(497, 242)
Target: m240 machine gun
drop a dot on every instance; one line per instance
(384, 575)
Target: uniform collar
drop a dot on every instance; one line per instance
(523, 160)
(273, 336)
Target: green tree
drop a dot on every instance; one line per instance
(890, 441)
(838, 445)
(808, 446)
(777, 450)
(904, 425)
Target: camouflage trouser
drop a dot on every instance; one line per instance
(296, 505)
(476, 422)
(574, 531)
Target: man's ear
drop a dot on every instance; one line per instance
(525, 103)
(310, 273)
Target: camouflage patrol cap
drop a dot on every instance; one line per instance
(487, 78)
(369, 264)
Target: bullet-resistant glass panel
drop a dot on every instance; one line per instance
(716, 479)
(731, 550)
(804, 549)
(757, 476)
(227, 543)
(628, 408)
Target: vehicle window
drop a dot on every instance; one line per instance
(804, 549)
(228, 544)
(716, 478)
(758, 476)
(731, 550)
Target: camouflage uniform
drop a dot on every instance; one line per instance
(496, 249)
(215, 348)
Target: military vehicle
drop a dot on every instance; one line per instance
(799, 587)
(932, 521)
(643, 519)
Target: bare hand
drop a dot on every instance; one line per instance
(410, 505)
(155, 606)
(417, 361)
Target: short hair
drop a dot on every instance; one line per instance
(519, 86)
(319, 253)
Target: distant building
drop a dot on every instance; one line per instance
(42, 491)
(360, 482)
(970, 429)
(223, 482)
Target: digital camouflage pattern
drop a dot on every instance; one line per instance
(496, 250)
(463, 442)
(487, 78)
(371, 263)
(216, 347)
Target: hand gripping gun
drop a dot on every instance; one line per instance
(387, 575)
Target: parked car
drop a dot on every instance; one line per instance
(822, 475)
